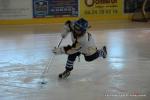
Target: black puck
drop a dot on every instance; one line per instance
(43, 82)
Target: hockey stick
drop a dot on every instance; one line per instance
(60, 42)
(42, 77)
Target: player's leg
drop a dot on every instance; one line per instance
(69, 65)
(99, 53)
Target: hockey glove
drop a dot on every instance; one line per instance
(58, 51)
(63, 35)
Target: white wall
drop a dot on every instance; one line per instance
(16, 9)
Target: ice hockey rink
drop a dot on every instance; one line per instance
(25, 56)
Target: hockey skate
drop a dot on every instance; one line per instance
(103, 52)
(64, 75)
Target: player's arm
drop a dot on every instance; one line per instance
(67, 29)
(76, 47)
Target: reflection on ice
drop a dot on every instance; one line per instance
(116, 42)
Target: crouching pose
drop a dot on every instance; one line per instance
(82, 43)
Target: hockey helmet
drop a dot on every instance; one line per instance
(81, 25)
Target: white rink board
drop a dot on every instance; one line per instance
(16, 9)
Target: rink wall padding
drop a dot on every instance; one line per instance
(58, 20)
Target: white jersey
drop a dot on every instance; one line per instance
(84, 44)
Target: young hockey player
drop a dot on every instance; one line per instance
(82, 43)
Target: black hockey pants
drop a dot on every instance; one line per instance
(72, 58)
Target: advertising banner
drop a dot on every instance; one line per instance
(15, 9)
(131, 6)
(55, 8)
(40, 8)
(101, 7)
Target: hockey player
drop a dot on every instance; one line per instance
(82, 43)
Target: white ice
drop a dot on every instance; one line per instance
(25, 52)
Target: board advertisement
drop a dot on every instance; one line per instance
(55, 8)
(101, 7)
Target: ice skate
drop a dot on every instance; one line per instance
(103, 52)
(64, 75)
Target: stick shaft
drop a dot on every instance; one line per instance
(47, 66)
(60, 42)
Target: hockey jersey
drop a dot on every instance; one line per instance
(84, 44)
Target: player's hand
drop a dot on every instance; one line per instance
(58, 51)
(63, 35)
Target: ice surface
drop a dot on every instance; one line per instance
(124, 75)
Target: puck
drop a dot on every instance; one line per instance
(43, 82)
